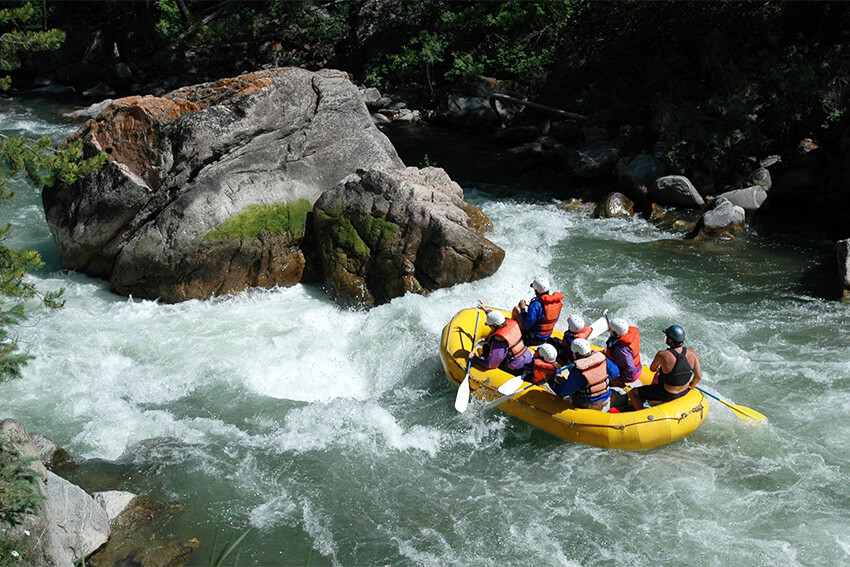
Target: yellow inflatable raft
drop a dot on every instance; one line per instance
(538, 406)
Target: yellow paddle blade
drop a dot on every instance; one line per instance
(743, 412)
(747, 414)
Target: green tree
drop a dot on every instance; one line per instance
(41, 164)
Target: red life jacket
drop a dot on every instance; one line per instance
(511, 334)
(582, 333)
(542, 369)
(594, 368)
(552, 305)
(632, 340)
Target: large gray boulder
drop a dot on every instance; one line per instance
(76, 520)
(749, 198)
(383, 233)
(676, 191)
(207, 189)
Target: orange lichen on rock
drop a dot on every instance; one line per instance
(131, 129)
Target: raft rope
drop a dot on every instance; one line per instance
(651, 419)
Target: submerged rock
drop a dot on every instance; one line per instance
(207, 189)
(134, 539)
(673, 219)
(382, 234)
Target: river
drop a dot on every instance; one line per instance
(344, 448)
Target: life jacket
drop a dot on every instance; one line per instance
(552, 305)
(632, 340)
(511, 334)
(594, 368)
(542, 369)
(681, 373)
(581, 333)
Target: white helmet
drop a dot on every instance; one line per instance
(547, 352)
(575, 322)
(495, 319)
(619, 325)
(540, 284)
(581, 347)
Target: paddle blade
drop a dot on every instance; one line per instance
(741, 412)
(510, 386)
(599, 326)
(748, 414)
(462, 399)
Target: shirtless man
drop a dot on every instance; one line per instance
(673, 369)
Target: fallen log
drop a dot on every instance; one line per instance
(509, 99)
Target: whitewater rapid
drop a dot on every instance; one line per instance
(335, 430)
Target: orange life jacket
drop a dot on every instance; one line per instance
(542, 369)
(632, 340)
(511, 334)
(594, 368)
(552, 305)
(582, 333)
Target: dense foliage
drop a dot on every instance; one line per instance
(712, 86)
(516, 40)
(18, 492)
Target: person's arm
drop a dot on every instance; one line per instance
(656, 365)
(697, 369)
(656, 362)
(573, 382)
(613, 370)
(531, 315)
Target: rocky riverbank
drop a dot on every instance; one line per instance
(70, 526)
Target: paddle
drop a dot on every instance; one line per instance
(599, 326)
(462, 399)
(743, 412)
(507, 397)
(511, 385)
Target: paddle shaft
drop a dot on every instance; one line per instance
(462, 398)
(503, 399)
(748, 413)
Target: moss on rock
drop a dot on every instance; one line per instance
(376, 230)
(256, 220)
(336, 225)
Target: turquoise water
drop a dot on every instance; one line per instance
(249, 413)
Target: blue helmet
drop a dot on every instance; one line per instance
(676, 333)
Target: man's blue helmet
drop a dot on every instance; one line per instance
(676, 333)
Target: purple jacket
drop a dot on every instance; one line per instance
(623, 357)
(498, 353)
